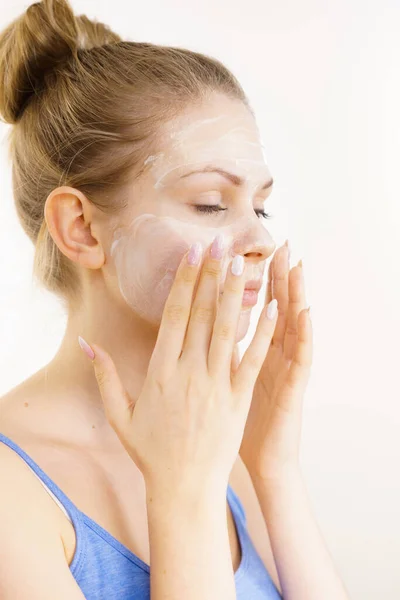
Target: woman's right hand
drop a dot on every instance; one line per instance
(187, 424)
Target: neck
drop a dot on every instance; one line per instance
(69, 379)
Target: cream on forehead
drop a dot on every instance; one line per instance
(200, 149)
(182, 132)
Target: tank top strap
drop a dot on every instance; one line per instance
(72, 511)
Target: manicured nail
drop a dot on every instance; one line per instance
(86, 348)
(300, 263)
(237, 265)
(194, 255)
(271, 309)
(217, 247)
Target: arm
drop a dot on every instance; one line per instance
(305, 568)
(189, 546)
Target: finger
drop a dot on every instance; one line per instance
(225, 326)
(296, 303)
(118, 406)
(175, 317)
(205, 304)
(298, 373)
(269, 291)
(254, 357)
(235, 359)
(280, 270)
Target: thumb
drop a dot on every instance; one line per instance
(118, 405)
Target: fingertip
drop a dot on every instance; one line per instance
(194, 255)
(271, 310)
(98, 353)
(88, 350)
(101, 356)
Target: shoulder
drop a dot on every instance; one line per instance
(21, 488)
(22, 494)
(242, 485)
(33, 559)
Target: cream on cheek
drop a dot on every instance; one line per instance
(147, 254)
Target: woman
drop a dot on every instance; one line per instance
(139, 175)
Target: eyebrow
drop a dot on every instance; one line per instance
(235, 179)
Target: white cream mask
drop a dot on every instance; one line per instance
(148, 250)
(147, 254)
(231, 145)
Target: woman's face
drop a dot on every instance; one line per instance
(220, 141)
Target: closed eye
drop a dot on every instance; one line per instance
(214, 208)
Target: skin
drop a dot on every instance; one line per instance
(85, 235)
(270, 444)
(65, 404)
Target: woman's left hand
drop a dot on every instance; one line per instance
(271, 440)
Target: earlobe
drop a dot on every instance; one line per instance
(68, 215)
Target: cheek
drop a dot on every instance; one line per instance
(146, 260)
(146, 256)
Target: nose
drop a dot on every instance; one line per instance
(255, 247)
(253, 240)
(260, 252)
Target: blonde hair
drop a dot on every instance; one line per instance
(86, 107)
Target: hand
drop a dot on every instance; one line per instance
(271, 439)
(186, 426)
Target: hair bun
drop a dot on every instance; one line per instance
(43, 37)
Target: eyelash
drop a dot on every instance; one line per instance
(211, 208)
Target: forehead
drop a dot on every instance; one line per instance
(222, 131)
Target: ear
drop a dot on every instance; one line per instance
(69, 218)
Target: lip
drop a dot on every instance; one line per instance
(253, 284)
(250, 292)
(250, 297)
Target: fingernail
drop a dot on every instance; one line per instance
(86, 348)
(309, 311)
(300, 263)
(237, 265)
(193, 258)
(217, 247)
(271, 309)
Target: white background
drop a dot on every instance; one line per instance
(323, 78)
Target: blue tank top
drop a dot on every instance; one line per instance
(105, 569)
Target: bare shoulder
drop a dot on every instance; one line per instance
(242, 485)
(33, 559)
(17, 481)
